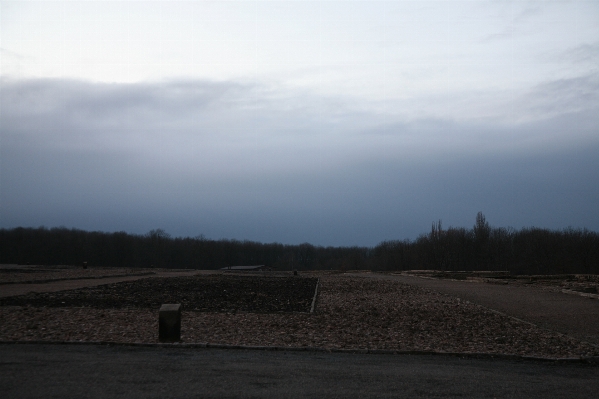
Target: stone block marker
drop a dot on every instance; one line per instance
(169, 323)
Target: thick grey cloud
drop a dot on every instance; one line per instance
(584, 53)
(249, 161)
(562, 96)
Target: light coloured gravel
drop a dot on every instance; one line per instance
(351, 313)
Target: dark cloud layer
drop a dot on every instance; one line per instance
(244, 161)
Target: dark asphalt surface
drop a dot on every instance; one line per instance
(96, 371)
(573, 315)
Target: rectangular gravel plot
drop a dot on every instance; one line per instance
(198, 293)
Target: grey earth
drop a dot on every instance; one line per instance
(572, 315)
(89, 371)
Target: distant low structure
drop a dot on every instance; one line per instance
(246, 268)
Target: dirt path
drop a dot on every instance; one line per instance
(568, 314)
(20, 289)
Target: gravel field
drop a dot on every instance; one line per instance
(211, 293)
(351, 313)
(585, 283)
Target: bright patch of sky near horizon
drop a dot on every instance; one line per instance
(299, 121)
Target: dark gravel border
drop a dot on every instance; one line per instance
(209, 293)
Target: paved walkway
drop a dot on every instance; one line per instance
(568, 314)
(53, 286)
(90, 371)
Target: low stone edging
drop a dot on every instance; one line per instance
(315, 295)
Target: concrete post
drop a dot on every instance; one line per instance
(169, 323)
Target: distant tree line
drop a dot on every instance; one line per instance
(526, 251)
(62, 246)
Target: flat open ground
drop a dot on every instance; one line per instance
(352, 311)
(544, 305)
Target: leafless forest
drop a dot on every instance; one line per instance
(482, 247)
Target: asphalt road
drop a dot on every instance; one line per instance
(94, 371)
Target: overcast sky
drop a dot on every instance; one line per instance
(329, 122)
